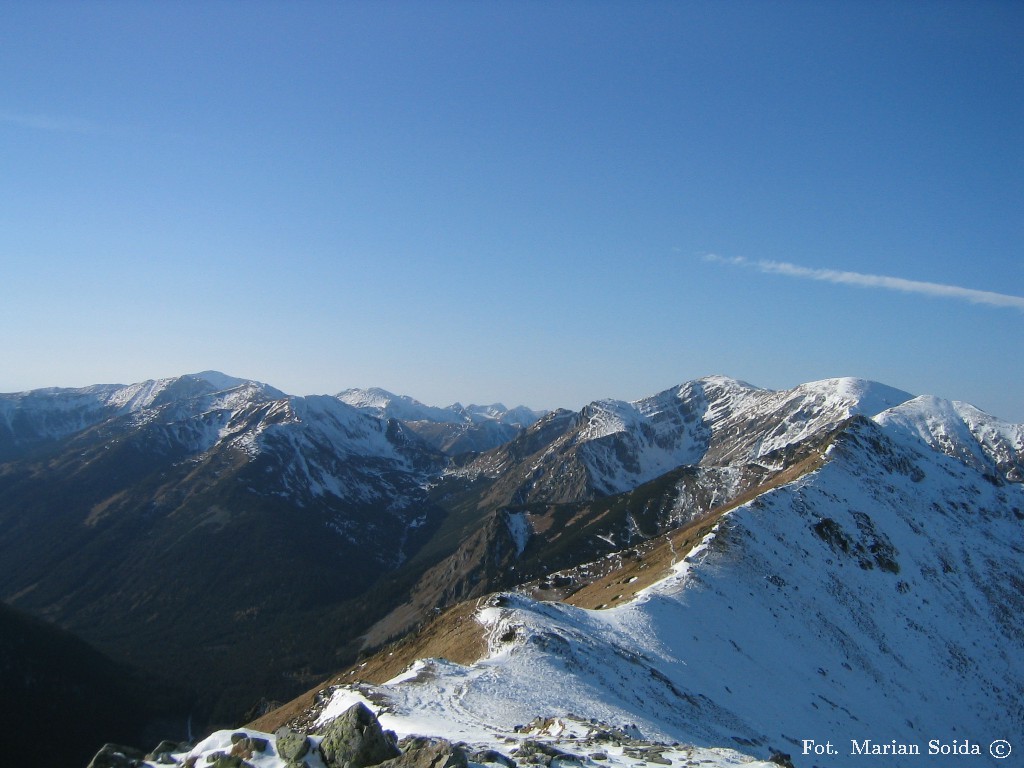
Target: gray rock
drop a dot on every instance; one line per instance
(425, 752)
(492, 756)
(534, 748)
(355, 739)
(291, 745)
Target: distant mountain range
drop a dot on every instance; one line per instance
(452, 430)
(256, 543)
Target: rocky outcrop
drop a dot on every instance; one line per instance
(355, 739)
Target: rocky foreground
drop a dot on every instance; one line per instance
(356, 739)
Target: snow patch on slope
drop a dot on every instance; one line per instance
(519, 529)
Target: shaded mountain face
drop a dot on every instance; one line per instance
(130, 512)
(72, 695)
(878, 597)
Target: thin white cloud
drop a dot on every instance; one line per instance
(874, 281)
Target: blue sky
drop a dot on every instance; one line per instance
(544, 203)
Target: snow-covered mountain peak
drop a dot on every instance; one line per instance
(854, 395)
(1002, 441)
(869, 586)
(221, 380)
(715, 421)
(387, 405)
(452, 430)
(723, 382)
(159, 392)
(696, 398)
(54, 413)
(961, 431)
(520, 416)
(369, 397)
(343, 427)
(602, 418)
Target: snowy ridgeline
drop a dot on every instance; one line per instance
(710, 422)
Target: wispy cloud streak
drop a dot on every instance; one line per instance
(886, 282)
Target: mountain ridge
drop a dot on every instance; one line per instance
(165, 491)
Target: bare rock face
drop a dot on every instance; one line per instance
(355, 739)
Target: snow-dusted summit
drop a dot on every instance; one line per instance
(43, 415)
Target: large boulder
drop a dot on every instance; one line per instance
(291, 745)
(355, 739)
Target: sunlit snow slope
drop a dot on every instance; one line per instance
(880, 597)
